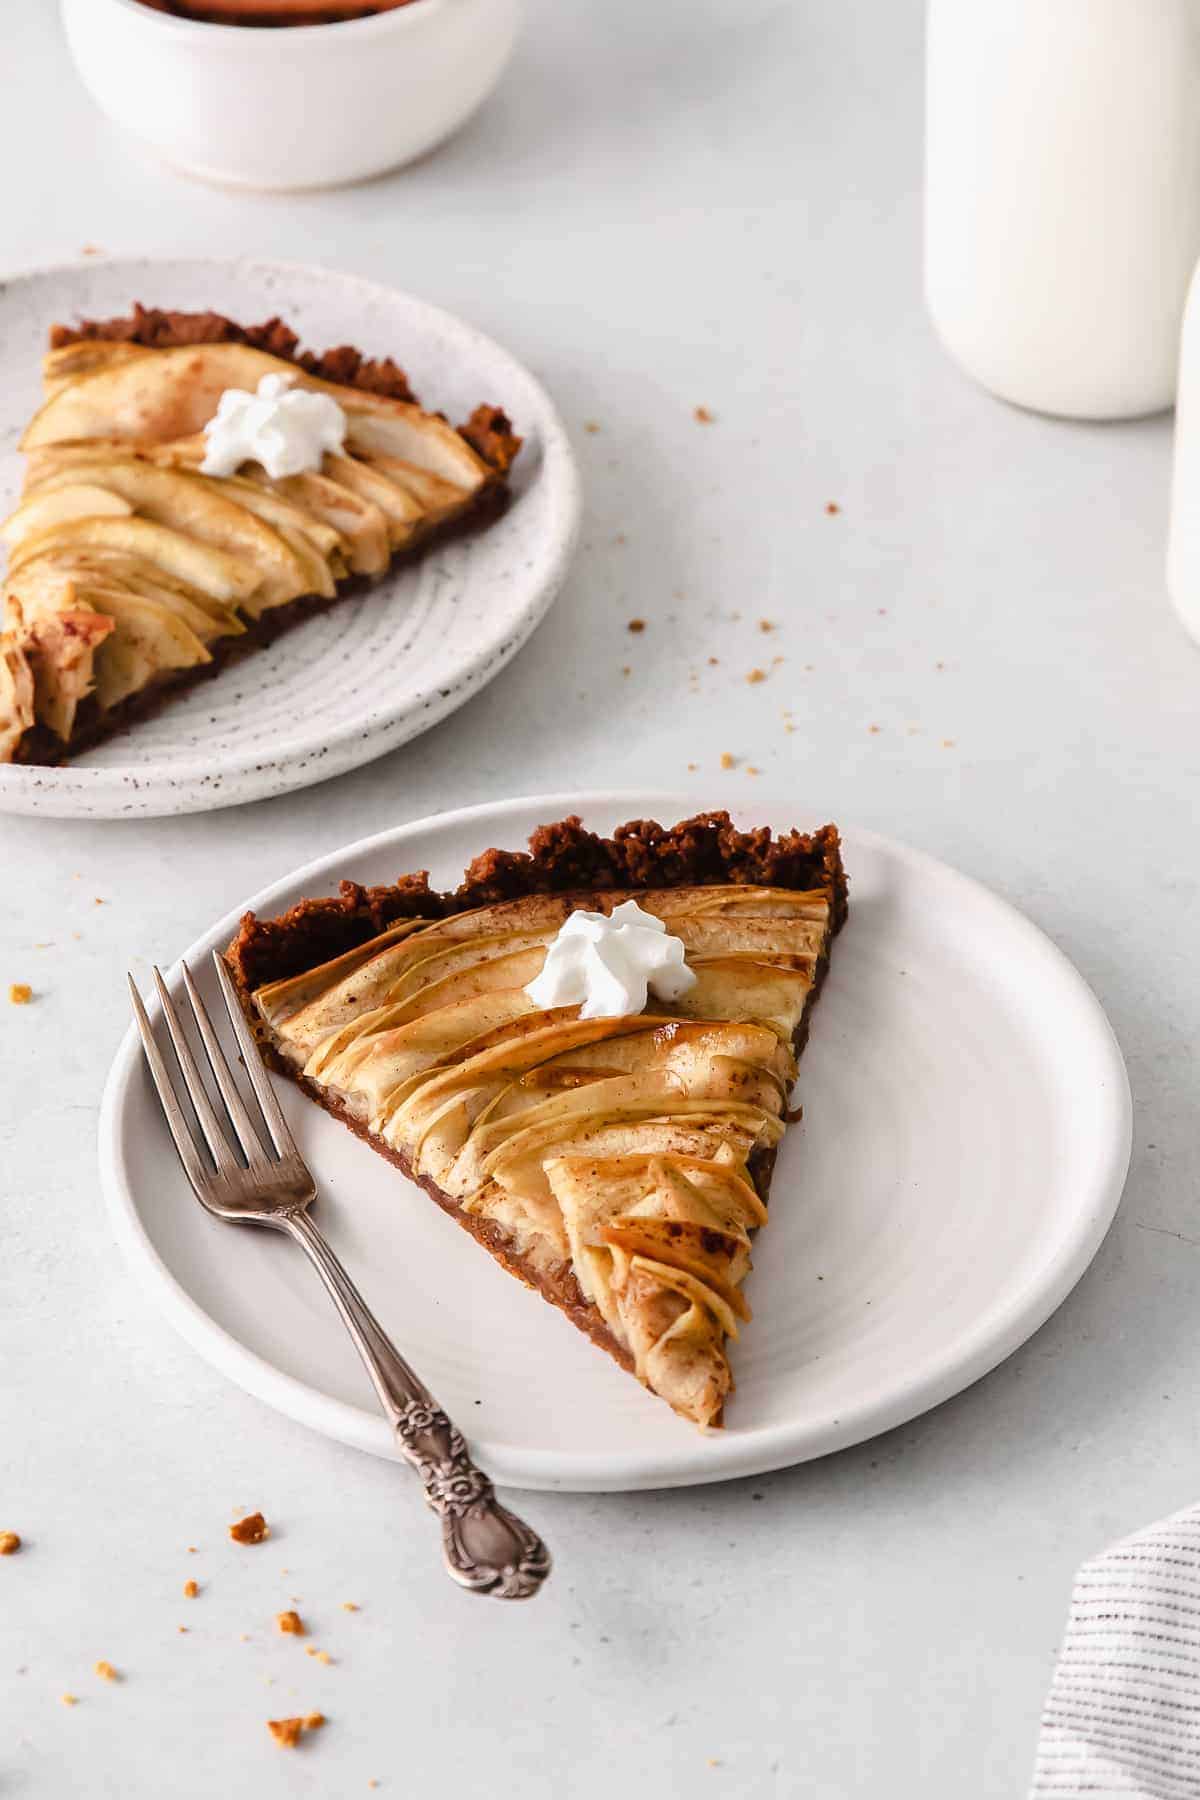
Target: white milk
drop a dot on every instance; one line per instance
(1063, 196)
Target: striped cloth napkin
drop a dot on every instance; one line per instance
(1123, 1712)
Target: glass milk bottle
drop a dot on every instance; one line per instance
(1062, 212)
(1183, 536)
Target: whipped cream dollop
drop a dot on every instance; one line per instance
(287, 429)
(608, 964)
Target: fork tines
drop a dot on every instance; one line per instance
(255, 1154)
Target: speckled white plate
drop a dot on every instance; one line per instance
(965, 1140)
(373, 672)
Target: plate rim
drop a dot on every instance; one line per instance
(134, 791)
(724, 1456)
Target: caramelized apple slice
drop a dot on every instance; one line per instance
(359, 522)
(61, 648)
(98, 570)
(398, 507)
(16, 697)
(195, 507)
(224, 577)
(148, 640)
(73, 500)
(87, 357)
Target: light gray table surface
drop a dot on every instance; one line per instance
(666, 206)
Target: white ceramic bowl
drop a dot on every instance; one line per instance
(295, 107)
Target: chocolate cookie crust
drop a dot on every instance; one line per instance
(706, 850)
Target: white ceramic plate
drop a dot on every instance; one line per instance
(373, 672)
(966, 1138)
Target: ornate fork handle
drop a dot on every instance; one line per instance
(486, 1547)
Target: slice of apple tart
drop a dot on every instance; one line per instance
(583, 1054)
(193, 487)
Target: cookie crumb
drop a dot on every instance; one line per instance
(106, 1672)
(250, 1530)
(181, 1628)
(692, 767)
(286, 1731)
(191, 1549)
(947, 743)
(592, 426)
(70, 1699)
(713, 662)
(831, 507)
(314, 1721)
(728, 760)
(636, 625)
(350, 1606)
(756, 675)
(190, 1589)
(751, 770)
(291, 1624)
(766, 624)
(20, 993)
(702, 416)
(10, 1543)
(874, 730)
(625, 669)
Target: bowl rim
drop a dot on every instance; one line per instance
(397, 18)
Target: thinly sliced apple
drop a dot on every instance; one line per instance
(189, 504)
(438, 499)
(495, 1147)
(738, 987)
(512, 970)
(62, 649)
(396, 428)
(281, 1003)
(392, 976)
(104, 568)
(762, 939)
(715, 1258)
(360, 523)
(169, 394)
(739, 902)
(74, 500)
(174, 393)
(87, 357)
(45, 588)
(404, 516)
(373, 1067)
(16, 697)
(51, 459)
(287, 518)
(645, 1095)
(149, 640)
(699, 1293)
(700, 1139)
(203, 566)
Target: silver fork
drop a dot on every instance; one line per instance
(487, 1549)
